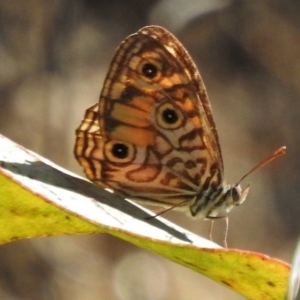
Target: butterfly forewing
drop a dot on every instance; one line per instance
(152, 136)
(172, 44)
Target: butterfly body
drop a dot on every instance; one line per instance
(152, 137)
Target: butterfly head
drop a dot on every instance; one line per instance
(237, 195)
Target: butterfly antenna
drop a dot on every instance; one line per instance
(279, 152)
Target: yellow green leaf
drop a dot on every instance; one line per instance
(38, 198)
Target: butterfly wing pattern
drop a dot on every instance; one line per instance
(152, 137)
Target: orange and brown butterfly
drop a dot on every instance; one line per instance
(152, 137)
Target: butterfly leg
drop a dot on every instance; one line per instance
(212, 219)
(211, 227)
(226, 232)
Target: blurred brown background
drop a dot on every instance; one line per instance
(53, 59)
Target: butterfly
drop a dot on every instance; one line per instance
(152, 137)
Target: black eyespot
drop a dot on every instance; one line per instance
(120, 151)
(170, 116)
(149, 70)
